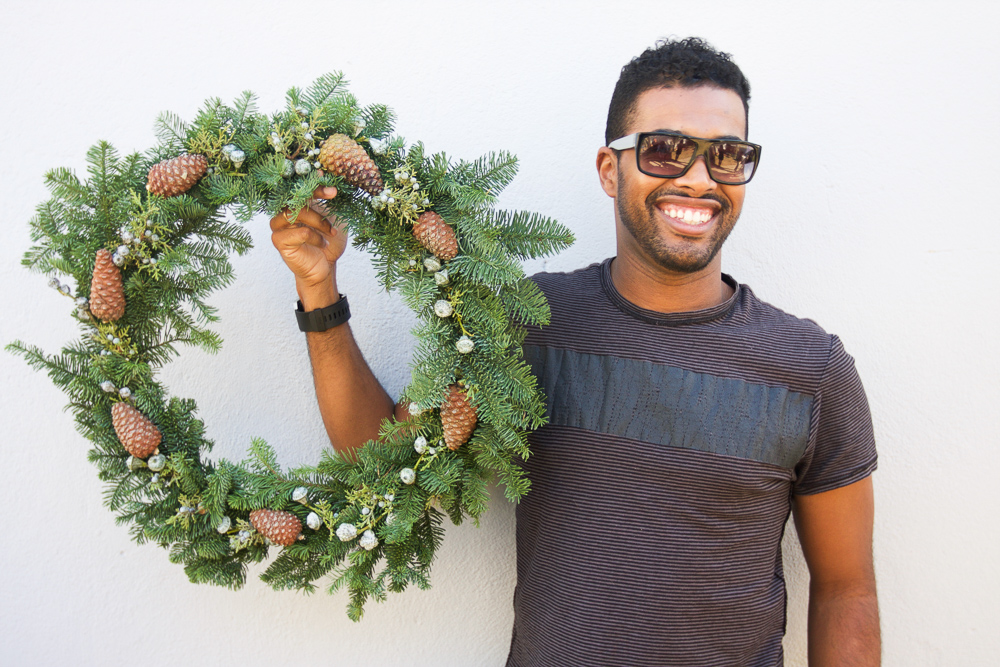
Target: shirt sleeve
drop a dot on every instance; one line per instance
(841, 450)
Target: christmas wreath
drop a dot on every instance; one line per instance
(145, 240)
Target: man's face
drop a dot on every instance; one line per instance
(676, 224)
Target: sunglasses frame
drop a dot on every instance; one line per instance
(702, 146)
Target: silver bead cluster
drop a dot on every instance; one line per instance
(62, 288)
(234, 155)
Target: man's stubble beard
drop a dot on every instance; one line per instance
(684, 256)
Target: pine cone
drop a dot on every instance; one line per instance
(107, 297)
(458, 417)
(176, 175)
(343, 156)
(282, 528)
(435, 235)
(139, 436)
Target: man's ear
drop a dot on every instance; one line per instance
(607, 170)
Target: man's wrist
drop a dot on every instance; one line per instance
(318, 296)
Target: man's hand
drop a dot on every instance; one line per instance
(835, 530)
(310, 244)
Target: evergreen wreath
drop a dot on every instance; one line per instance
(146, 239)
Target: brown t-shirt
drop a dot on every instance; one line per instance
(663, 480)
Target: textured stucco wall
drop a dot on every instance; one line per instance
(874, 212)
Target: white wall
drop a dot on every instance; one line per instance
(874, 212)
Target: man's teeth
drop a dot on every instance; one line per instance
(689, 215)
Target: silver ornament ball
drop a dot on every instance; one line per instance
(302, 167)
(464, 345)
(313, 521)
(368, 540)
(441, 277)
(224, 525)
(300, 495)
(432, 264)
(408, 475)
(347, 532)
(443, 308)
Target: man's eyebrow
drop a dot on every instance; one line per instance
(727, 137)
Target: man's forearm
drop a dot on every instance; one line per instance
(844, 627)
(351, 400)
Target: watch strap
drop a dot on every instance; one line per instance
(322, 319)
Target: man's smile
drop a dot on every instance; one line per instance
(688, 216)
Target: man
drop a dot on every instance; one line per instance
(687, 417)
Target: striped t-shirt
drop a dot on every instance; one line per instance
(663, 480)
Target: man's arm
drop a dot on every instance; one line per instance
(835, 530)
(351, 400)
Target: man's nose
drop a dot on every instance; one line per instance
(696, 180)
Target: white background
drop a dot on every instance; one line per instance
(874, 212)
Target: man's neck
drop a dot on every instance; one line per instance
(668, 292)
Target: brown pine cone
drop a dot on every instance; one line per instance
(139, 436)
(436, 235)
(107, 296)
(458, 417)
(282, 528)
(344, 157)
(176, 175)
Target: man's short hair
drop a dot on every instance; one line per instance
(672, 63)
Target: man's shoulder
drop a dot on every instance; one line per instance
(771, 318)
(583, 278)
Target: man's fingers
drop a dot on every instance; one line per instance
(325, 192)
(295, 237)
(307, 216)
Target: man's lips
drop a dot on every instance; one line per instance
(689, 216)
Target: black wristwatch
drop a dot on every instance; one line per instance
(322, 319)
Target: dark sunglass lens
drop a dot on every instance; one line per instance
(732, 162)
(665, 155)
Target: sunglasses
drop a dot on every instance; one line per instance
(668, 155)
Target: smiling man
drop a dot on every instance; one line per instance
(687, 418)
